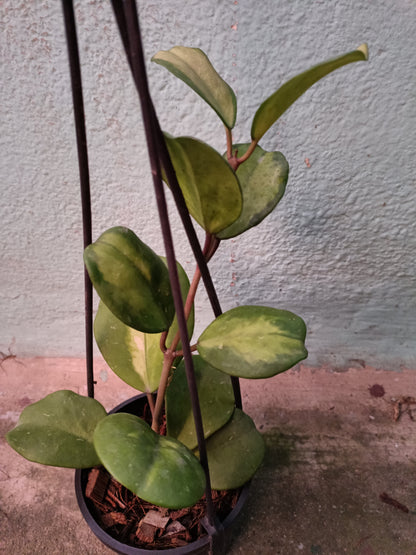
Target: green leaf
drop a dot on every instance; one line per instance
(194, 68)
(131, 354)
(209, 185)
(263, 179)
(216, 399)
(58, 430)
(272, 108)
(254, 341)
(158, 469)
(135, 356)
(234, 452)
(131, 280)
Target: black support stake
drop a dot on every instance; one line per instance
(139, 72)
(78, 101)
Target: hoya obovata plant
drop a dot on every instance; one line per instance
(136, 328)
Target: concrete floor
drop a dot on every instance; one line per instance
(332, 450)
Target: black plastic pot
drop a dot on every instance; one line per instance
(214, 544)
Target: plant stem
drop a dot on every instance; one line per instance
(233, 160)
(170, 353)
(188, 305)
(192, 348)
(231, 156)
(214, 244)
(162, 343)
(169, 357)
(248, 153)
(229, 136)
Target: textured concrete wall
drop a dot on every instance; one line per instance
(339, 250)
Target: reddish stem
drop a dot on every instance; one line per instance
(170, 353)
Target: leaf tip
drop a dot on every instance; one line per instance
(364, 49)
(157, 57)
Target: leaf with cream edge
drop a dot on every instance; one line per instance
(159, 469)
(216, 399)
(58, 430)
(254, 341)
(272, 108)
(234, 452)
(263, 179)
(135, 356)
(210, 187)
(131, 280)
(192, 66)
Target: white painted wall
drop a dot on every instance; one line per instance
(340, 248)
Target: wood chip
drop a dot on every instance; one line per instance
(402, 405)
(97, 485)
(154, 518)
(174, 529)
(113, 518)
(146, 532)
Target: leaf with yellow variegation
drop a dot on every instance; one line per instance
(193, 67)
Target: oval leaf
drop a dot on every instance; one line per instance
(135, 356)
(58, 430)
(194, 68)
(234, 452)
(216, 400)
(209, 185)
(131, 280)
(254, 341)
(272, 108)
(158, 469)
(263, 179)
(131, 354)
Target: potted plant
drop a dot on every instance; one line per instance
(136, 327)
